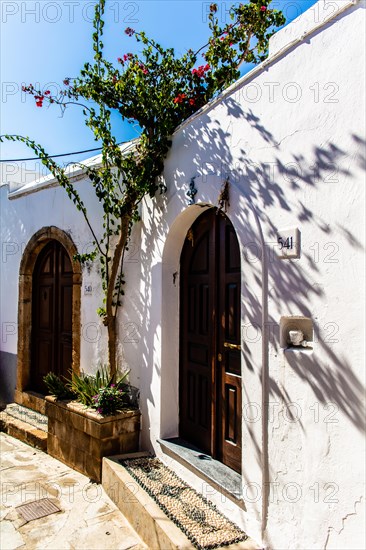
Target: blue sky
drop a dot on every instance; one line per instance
(44, 41)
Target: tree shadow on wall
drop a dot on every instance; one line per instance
(294, 284)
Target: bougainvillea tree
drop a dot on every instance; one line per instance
(157, 90)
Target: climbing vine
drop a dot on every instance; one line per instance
(157, 90)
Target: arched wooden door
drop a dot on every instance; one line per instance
(210, 357)
(51, 315)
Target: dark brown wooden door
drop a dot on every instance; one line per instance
(51, 315)
(210, 357)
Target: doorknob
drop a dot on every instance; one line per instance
(232, 346)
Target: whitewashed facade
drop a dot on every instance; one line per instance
(290, 136)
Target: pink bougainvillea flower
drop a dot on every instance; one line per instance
(120, 60)
(67, 82)
(263, 8)
(129, 31)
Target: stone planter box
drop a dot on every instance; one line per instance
(80, 437)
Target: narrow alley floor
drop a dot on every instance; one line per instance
(87, 519)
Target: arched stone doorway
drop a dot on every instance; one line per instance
(210, 398)
(48, 251)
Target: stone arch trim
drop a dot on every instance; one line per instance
(169, 414)
(30, 254)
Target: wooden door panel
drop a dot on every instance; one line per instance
(66, 309)
(45, 306)
(231, 424)
(229, 345)
(232, 252)
(196, 347)
(44, 354)
(51, 315)
(231, 312)
(65, 360)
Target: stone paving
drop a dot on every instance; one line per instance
(88, 518)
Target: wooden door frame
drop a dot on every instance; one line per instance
(29, 258)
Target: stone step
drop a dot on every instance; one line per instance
(25, 424)
(155, 527)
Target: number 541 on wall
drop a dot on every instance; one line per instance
(288, 241)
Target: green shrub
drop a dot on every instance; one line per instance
(57, 387)
(86, 386)
(109, 400)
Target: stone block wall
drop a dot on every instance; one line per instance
(80, 437)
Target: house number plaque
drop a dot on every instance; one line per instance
(288, 243)
(88, 289)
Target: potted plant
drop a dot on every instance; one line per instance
(90, 417)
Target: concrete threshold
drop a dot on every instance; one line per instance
(222, 478)
(152, 525)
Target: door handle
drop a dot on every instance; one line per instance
(232, 346)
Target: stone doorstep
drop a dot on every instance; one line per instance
(145, 516)
(23, 431)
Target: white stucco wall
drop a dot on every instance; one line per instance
(291, 138)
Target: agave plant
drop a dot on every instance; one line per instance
(86, 389)
(57, 387)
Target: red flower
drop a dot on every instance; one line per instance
(213, 8)
(127, 57)
(263, 8)
(200, 72)
(129, 31)
(192, 101)
(47, 92)
(143, 68)
(39, 103)
(67, 82)
(180, 98)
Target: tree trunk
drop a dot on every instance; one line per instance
(110, 312)
(112, 345)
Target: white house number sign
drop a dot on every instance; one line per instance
(288, 243)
